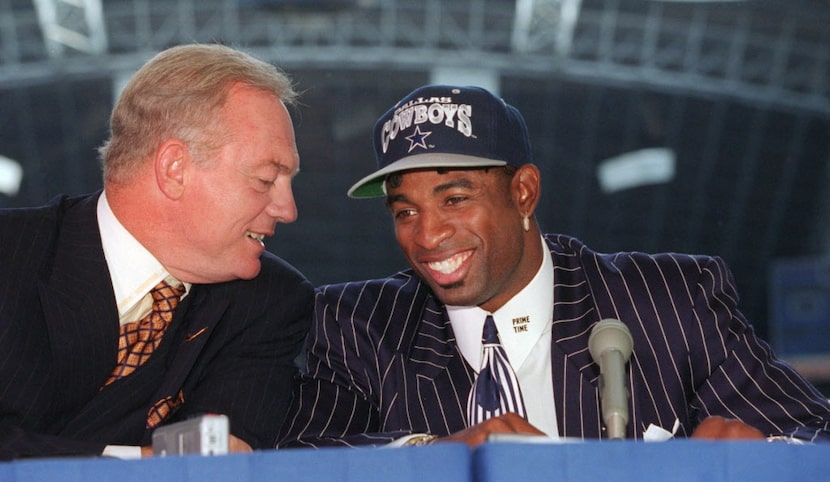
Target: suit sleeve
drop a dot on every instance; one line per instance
(17, 443)
(250, 378)
(333, 397)
(745, 380)
(27, 240)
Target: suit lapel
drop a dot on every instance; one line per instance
(164, 376)
(430, 371)
(79, 303)
(428, 333)
(195, 318)
(575, 375)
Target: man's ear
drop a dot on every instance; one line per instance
(526, 188)
(169, 167)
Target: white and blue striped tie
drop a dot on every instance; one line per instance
(496, 390)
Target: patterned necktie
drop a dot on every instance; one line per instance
(139, 338)
(496, 390)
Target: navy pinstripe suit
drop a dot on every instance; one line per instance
(383, 362)
(229, 350)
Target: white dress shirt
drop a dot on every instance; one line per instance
(133, 270)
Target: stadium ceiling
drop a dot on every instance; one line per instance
(769, 52)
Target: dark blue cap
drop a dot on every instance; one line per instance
(445, 126)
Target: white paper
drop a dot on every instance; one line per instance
(658, 434)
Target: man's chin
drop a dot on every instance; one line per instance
(453, 286)
(454, 294)
(248, 270)
(251, 274)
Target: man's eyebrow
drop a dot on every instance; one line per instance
(462, 182)
(283, 169)
(390, 200)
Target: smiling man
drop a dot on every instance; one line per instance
(488, 331)
(154, 300)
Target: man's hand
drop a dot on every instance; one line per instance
(507, 423)
(238, 445)
(719, 428)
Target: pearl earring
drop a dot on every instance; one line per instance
(526, 223)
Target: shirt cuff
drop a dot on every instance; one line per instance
(126, 452)
(786, 439)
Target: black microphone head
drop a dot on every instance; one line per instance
(610, 334)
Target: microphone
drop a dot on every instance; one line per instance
(610, 345)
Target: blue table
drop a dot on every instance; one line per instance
(678, 460)
(446, 462)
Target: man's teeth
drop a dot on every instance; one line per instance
(257, 236)
(449, 265)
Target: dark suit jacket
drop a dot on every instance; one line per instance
(383, 360)
(230, 348)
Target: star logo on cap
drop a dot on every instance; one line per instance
(417, 139)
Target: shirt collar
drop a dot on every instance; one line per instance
(133, 270)
(521, 321)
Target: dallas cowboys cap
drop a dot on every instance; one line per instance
(445, 126)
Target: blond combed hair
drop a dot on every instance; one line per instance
(178, 94)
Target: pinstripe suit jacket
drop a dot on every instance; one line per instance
(383, 362)
(230, 348)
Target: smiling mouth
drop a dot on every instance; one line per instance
(256, 236)
(451, 264)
